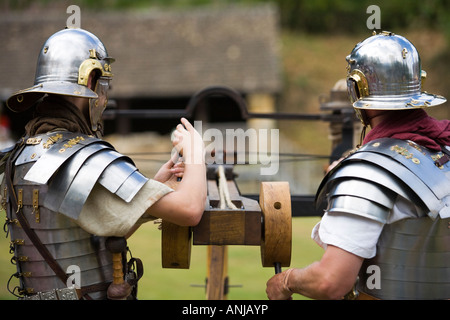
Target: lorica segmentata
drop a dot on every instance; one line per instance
(413, 254)
(53, 176)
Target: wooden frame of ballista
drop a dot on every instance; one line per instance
(263, 219)
(231, 219)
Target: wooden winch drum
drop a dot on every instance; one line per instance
(276, 231)
(276, 237)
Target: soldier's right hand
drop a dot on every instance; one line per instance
(188, 142)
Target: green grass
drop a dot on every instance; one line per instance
(244, 266)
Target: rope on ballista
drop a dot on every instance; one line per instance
(224, 192)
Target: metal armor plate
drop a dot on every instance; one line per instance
(54, 174)
(396, 166)
(413, 255)
(413, 260)
(71, 164)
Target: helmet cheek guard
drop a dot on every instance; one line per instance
(96, 105)
(91, 64)
(357, 85)
(358, 88)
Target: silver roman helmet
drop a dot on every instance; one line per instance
(64, 64)
(384, 73)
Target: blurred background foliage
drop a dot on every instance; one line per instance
(318, 16)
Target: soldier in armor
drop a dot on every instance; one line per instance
(70, 197)
(385, 230)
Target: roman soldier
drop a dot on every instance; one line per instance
(71, 199)
(386, 223)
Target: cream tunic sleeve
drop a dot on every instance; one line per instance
(105, 214)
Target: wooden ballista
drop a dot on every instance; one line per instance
(230, 219)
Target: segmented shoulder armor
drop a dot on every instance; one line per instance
(70, 164)
(367, 182)
(412, 254)
(53, 176)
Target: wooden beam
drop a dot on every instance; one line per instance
(217, 270)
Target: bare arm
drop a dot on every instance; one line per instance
(186, 204)
(330, 278)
